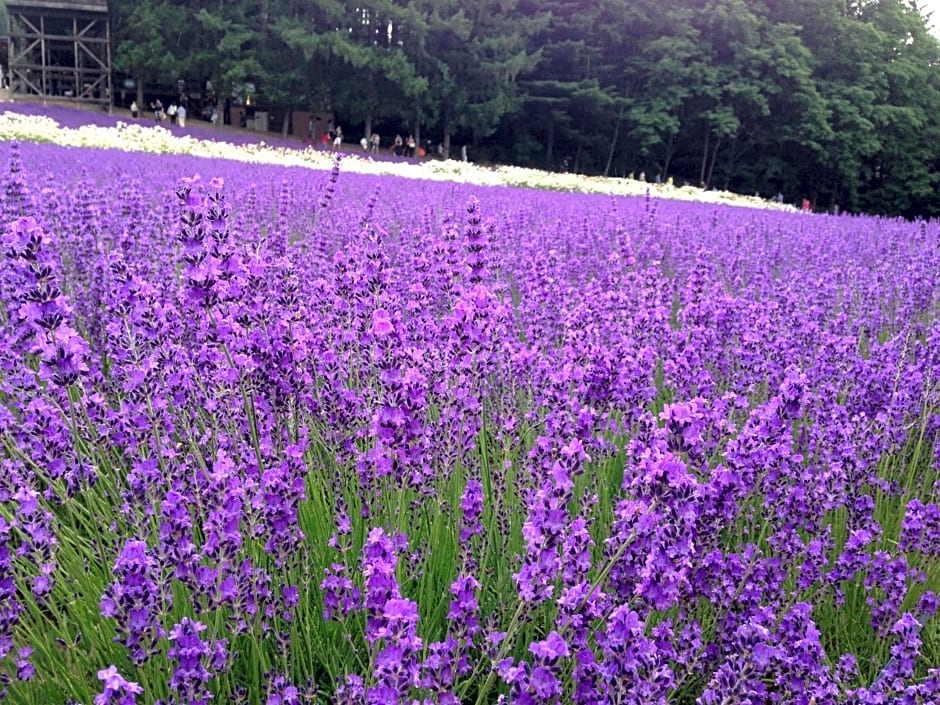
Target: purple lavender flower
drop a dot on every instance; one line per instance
(340, 595)
(24, 667)
(475, 244)
(10, 607)
(920, 528)
(395, 663)
(16, 196)
(193, 658)
(133, 600)
(471, 505)
(282, 692)
(329, 190)
(117, 690)
(350, 690)
(464, 619)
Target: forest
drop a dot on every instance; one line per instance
(828, 100)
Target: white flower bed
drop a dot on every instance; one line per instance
(138, 138)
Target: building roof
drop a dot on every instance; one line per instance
(71, 5)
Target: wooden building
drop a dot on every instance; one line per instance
(60, 49)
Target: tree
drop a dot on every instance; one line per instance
(669, 82)
(831, 100)
(224, 46)
(148, 42)
(901, 172)
(563, 101)
(472, 57)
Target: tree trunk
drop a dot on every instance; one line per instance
(369, 125)
(550, 147)
(731, 160)
(446, 141)
(285, 123)
(447, 128)
(613, 145)
(670, 153)
(140, 95)
(711, 167)
(701, 174)
(417, 132)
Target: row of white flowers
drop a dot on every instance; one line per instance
(156, 139)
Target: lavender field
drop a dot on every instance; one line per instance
(279, 436)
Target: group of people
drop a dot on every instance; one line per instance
(405, 148)
(333, 135)
(372, 144)
(176, 114)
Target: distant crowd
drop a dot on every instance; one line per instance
(371, 143)
(333, 136)
(175, 114)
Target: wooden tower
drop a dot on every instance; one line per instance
(60, 49)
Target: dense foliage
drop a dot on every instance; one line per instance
(289, 434)
(829, 100)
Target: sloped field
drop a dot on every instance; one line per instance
(273, 434)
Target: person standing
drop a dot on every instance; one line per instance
(134, 109)
(171, 112)
(338, 138)
(181, 115)
(412, 146)
(375, 141)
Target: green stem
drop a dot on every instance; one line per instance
(503, 650)
(613, 560)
